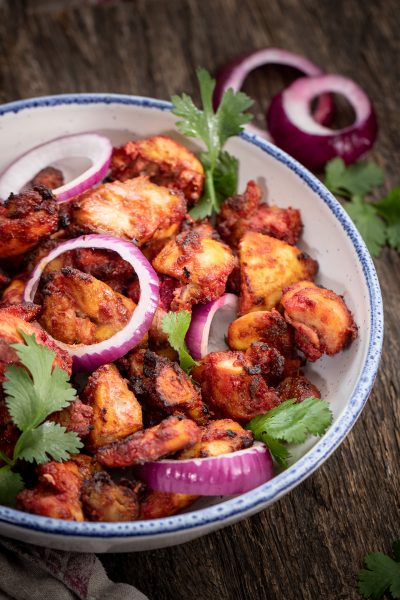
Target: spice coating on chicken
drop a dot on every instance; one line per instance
(219, 436)
(298, 387)
(246, 212)
(104, 500)
(76, 417)
(267, 266)
(116, 412)
(164, 161)
(137, 210)
(26, 219)
(105, 265)
(57, 494)
(164, 385)
(201, 265)
(268, 327)
(14, 292)
(323, 323)
(169, 436)
(79, 309)
(11, 324)
(49, 177)
(233, 387)
(155, 505)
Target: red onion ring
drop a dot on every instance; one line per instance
(89, 357)
(223, 475)
(294, 129)
(203, 337)
(233, 74)
(95, 147)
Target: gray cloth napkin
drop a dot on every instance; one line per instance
(33, 573)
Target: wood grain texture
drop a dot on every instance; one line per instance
(310, 544)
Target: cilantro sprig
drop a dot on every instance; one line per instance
(378, 222)
(290, 422)
(213, 129)
(381, 574)
(33, 392)
(176, 325)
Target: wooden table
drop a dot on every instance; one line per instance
(311, 543)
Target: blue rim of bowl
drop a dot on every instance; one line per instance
(249, 502)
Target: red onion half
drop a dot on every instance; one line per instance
(233, 74)
(294, 129)
(223, 475)
(206, 334)
(89, 357)
(96, 148)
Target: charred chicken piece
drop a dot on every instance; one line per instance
(323, 323)
(246, 212)
(116, 412)
(79, 309)
(267, 266)
(57, 493)
(26, 219)
(298, 387)
(164, 161)
(201, 265)
(220, 436)
(105, 500)
(136, 210)
(233, 387)
(268, 327)
(162, 383)
(49, 177)
(105, 265)
(260, 358)
(76, 417)
(170, 436)
(28, 311)
(14, 292)
(155, 505)
(12, 321)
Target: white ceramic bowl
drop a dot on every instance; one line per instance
(329, 236)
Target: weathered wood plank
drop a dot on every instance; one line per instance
(310, 544)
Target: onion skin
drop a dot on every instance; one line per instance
(314, 146)
(26, 167)
(197, 337)
(233, 74)
(88, 358)
(224, 475)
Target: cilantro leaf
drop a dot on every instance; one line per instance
(368, 223)
(34, 391)
(293, 422)
(176, 325)
(231, 115)
(381, 574)
(357, 179)
(49, 440)
(290, 422)
(10, 484)
(279, 451)
(21, 399)
(213, 129)
(226, 176)
(33, 396)
(389, 209)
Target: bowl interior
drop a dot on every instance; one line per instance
(328, 235)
